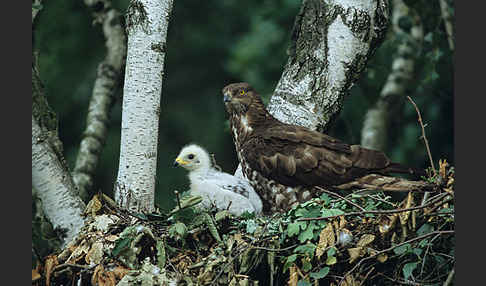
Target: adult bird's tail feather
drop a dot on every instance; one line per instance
(399, 168)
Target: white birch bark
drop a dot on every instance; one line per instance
(375, 126)
(147, 22)
(448, 19)
(332, 41)
(109, 73)
(54, 186)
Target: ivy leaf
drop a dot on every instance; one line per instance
(289, 262)
(306, 249)
(306, 265)
(314, 211)
(294, 228)
(331, 251)
(308, 233)
(320, 274)
(325, 197)
(402, 249)
(408, 269)
(178, 230)
(331, 212)
(303, 283)
(425, 228)
(423, 243)
(417, 251)
(120, 245)
(331, 260)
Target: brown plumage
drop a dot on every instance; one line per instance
(285, 162)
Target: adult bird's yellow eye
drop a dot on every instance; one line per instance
(242, 92)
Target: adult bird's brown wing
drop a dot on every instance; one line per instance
(293, 155)
(299, 134)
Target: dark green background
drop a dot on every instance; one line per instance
(213, 43)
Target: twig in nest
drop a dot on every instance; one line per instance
(341, 197)
(449, 278)
(423, 134)
(426, 195)
(274, 249)
(178, 199)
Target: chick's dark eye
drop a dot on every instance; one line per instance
(190, 156)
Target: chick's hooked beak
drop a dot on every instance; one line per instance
(179, 162)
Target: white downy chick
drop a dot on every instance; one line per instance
(217, 189)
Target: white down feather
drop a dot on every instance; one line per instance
(216, 188)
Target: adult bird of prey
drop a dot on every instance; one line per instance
(218, 190)
(287, 164)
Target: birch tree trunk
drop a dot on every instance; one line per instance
(332, 42)
(375, 127)
(147, 22)
(109, 74)
(54, 186)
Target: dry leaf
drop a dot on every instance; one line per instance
(355, 253)
(342, 222)
(326, 238)
(405, 215)
(120, 272)
(414, 220)
(103, 278)
(293, 276)
(382, 257)
(112, 238)
(51, 262)
(331, 260)
(35, 274)
(349, 279)
(365, 240)
(93, 206)
(335, 224)
(95, 254)
(79, 252)
(442, 168)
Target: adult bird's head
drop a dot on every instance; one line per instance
(239, 97)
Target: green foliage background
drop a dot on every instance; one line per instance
(213, 43)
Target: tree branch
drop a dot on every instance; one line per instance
(110, 72)
(331, 43)
(448, 18)
(375, 127)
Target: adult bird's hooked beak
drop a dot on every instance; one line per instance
(227, 97)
